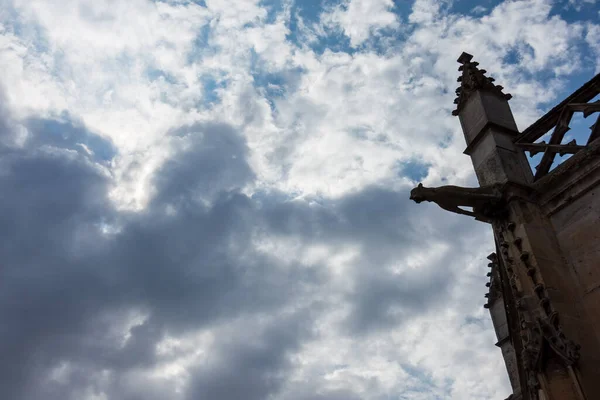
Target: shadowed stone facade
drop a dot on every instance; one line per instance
(544, 289)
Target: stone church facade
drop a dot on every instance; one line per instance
(544, 288)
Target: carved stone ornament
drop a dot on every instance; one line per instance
(544, 337)
(538, 326)
(565, 349)
(558, 120)
(487, 202)
(471, 80)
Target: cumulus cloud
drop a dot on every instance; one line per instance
(209, 199)
(360, 19)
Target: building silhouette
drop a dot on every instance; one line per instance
(544, 288)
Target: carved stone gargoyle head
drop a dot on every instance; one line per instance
(417, 194)
(486, 202)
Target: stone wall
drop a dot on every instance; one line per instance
(572, 201)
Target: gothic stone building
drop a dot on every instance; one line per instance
(544, 289)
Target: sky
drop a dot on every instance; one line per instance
(209, 200)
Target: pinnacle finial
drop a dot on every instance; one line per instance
(464, 58)
(473, 79)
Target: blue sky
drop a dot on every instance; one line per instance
(209, 199)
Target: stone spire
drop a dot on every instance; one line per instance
(473, 79)
(489, 127)
(544, 295)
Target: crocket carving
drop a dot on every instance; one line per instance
(486, 201)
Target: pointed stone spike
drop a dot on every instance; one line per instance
(464, 58)
(520, 304)
(539, 289)
(472, 80)
(554, 320)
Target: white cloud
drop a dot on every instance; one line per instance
(579, 4)
(359, 19)
(592, 38)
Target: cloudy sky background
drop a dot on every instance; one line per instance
(209, 199)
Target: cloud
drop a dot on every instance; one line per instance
(359, 19)
(592, 37)
(213, 158)
(579, 4)
(70, 283)
(68, 134)
(47, 294)
(102, 289)
(253, 363)
(209, 199)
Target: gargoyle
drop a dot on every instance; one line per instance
(486, 201)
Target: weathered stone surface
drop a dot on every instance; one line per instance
(482, 110)
(484, 201)
(498, 307)
(544, 295)
(577, 224)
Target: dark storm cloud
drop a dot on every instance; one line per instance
(379, 221)
(187, 264)
(5, 130)
(51, 281)
(376, 218)
(213, 162)
(382, 300)
(63, 280)
(249, 367)
(308, 394)
(67, 133)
